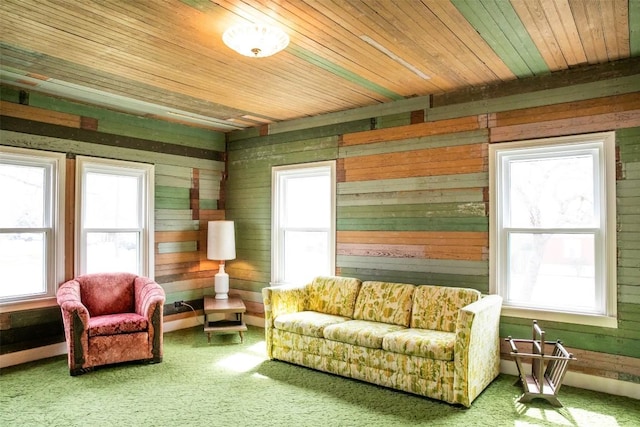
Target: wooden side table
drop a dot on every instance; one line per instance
(233, 306)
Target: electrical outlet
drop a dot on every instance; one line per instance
(178, 304)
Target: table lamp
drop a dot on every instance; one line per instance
(221, 246)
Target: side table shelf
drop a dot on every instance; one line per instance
(226, 307)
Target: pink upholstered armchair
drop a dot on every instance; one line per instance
(111, 318)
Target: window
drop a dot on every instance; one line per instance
(115, 207)
(31, 231)
(303, 215)
(553, 228)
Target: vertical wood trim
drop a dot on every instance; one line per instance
(69, 219)
(194, 194)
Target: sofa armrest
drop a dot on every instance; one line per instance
(279, 300)
(477, 348)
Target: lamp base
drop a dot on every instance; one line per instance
(221, 286)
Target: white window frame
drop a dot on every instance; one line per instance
(55, 165)
(277, 201)
(145, 173)
(605, 174)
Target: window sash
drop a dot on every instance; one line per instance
(143, 230)
(601, 149)
(42, 280)
(280, 178)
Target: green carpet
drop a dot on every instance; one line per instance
(226, 383)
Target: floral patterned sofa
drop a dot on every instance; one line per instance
(435, 341)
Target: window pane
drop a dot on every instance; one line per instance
(112, 252)
(554, 192)
(305, 256)
(22, 195)
(552, 271)
(112, 201)
(22, 264)
(306, 202)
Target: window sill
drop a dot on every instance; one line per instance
(581, 319)
(8, 307)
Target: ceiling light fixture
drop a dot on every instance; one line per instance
(255, 40)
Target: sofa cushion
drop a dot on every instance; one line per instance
(436, 307)
(333, 295)
(113, 324)
(421, 342)
(309, 323)
(384, 302)
(360, 332)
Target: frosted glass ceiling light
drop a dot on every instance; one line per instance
(254, 40)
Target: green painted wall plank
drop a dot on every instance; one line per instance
(373, 200)
(472, 268)
(634, 27)
(414, 224)
(173, 214)
(478, 282)
(472, 180)
(17, 139)
(441, 210)
(139, 127)
(539, 98)
(174, 247)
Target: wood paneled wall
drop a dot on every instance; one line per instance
(413, 193)
(189, 166)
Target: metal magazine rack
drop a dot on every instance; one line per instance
(547, 369)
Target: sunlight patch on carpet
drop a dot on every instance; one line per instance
(240, 362)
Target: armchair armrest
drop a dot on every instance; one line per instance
(149, 302)
(68, 297)
(279, 300)
(477, 348)
(149, 296)
(75, 317)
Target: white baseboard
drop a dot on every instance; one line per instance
(38, 353)
(580, 380)
(573, 379)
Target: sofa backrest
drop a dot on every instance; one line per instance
(436, 307)
(107, 293)
(333, 295)
(384, 302)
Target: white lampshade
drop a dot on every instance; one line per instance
(221, 241)
(254, 40)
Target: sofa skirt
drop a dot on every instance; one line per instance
(418, 375)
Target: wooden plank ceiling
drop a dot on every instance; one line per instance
(155, 56)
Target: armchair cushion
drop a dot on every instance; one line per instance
(121, 323)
